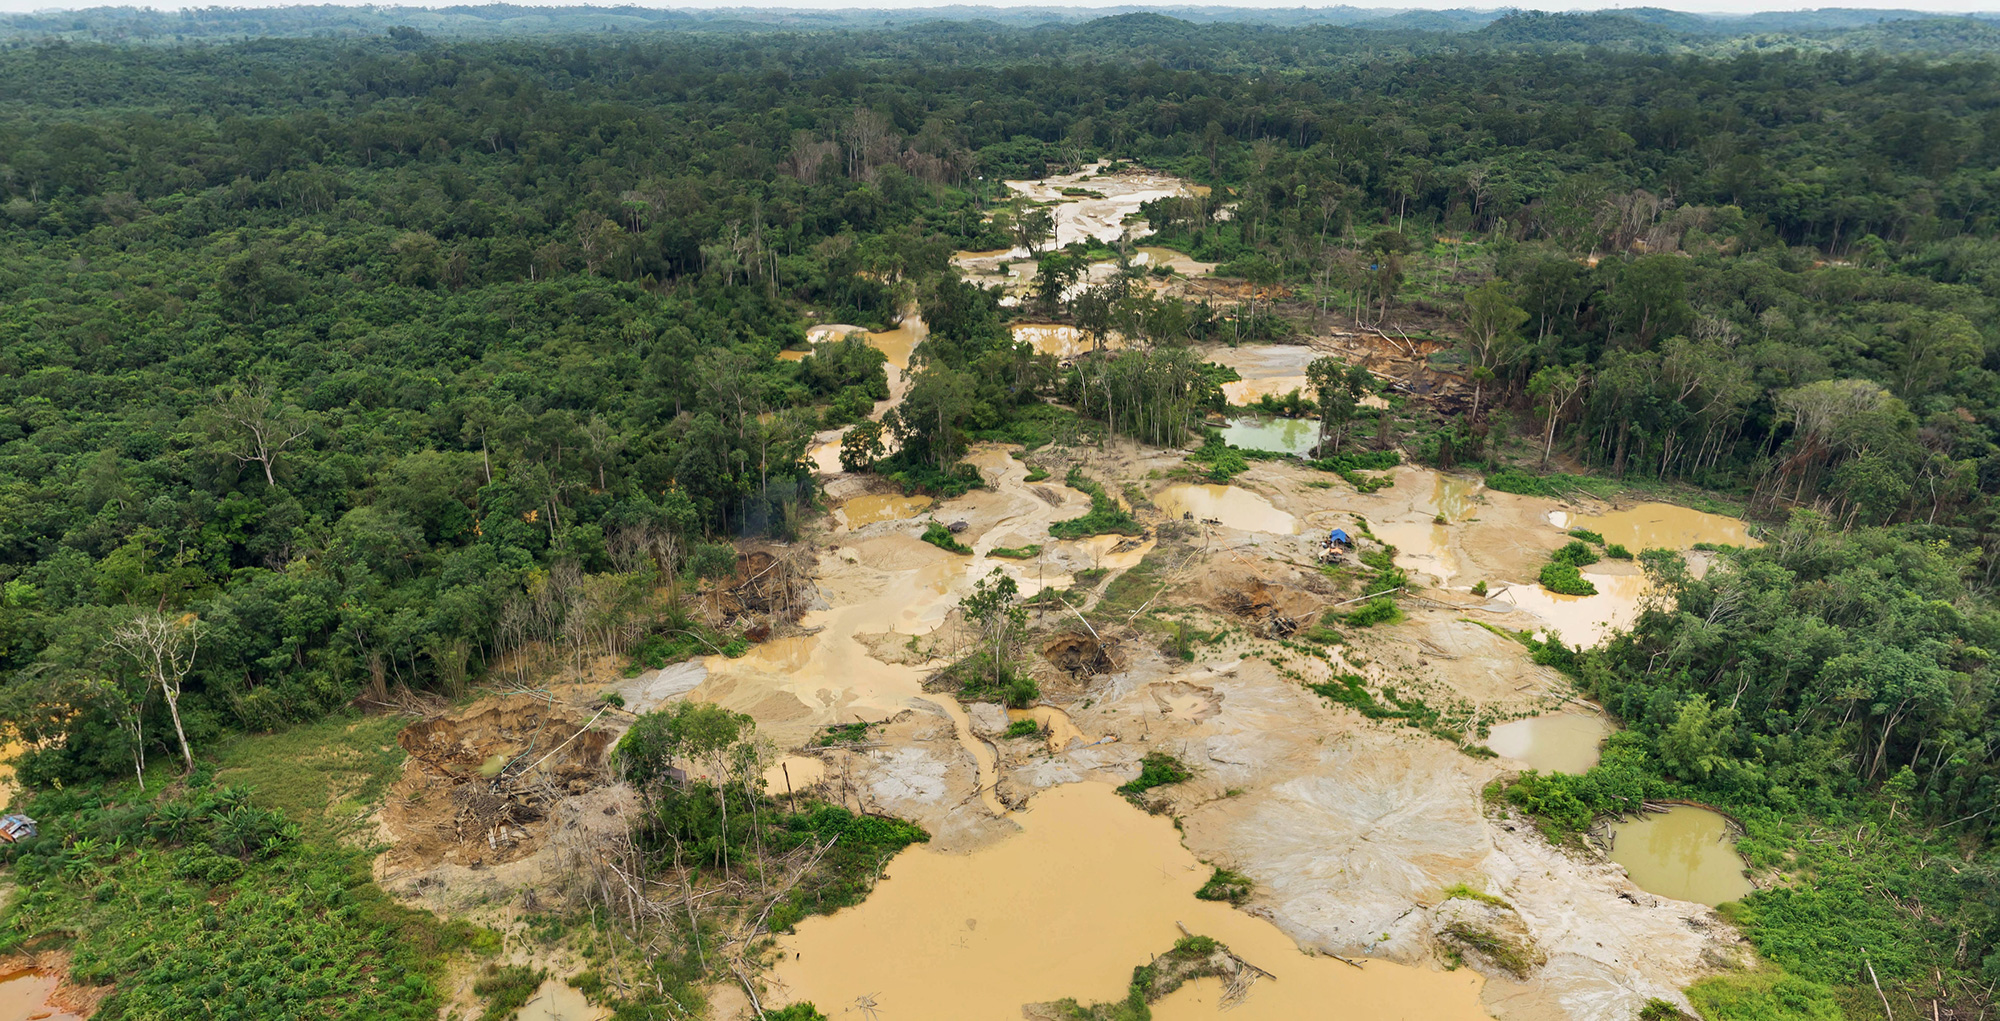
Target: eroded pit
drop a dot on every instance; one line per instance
(478, 785)
(1080, 655)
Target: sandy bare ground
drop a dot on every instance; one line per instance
(1351, 829)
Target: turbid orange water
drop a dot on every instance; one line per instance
(1665, 526)
(866, 510)
(1235, 508)
(1583, 620)
(24, 996)
(1685, 853)
(1090, 888)
(1055, 723)
(1557, 742)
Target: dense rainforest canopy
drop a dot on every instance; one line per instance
(383, 357)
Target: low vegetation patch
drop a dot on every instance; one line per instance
(1227, 885)
(1157, 769)
(940, 536)
(1561, 575)
(197, 900)
(1022, 728)
(1105, 516)
(1028, 552)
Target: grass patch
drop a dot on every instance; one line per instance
(200, 904)
(973, 679)
(1502, 951)
(940, 536)
(1105, 516)
(1350, 466)
(1221, 460)
(1226, 885)
(1586, 535)
(1022, 728)
(506, 990)
(1028, 552)
(1379, 610)
(1617, 552)
(842, 733)
(1460, 891)
(1157, 769)
(1766, 994)
(324, 776)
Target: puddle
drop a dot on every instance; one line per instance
(825, 455)
(793, 773)
(1061, 731)
(1661, 526)
(1064, 342)
(1183, 264)
(867, 510)
(1455, 498)
(1421, 548)
(24, 996)
(1583, 620)
(793, 356)
(557, 1000)
(1235, 508)
(1285, 435)
(1105, 553)
(1090, 888)
(494, 764)
(1557, 742)
(1686, 853)
(894, 344)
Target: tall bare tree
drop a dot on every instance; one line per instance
(265, 424)
(164, 648)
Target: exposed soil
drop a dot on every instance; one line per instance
(479, 784)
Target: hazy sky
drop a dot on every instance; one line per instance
(1713, 6)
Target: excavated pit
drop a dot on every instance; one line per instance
(1080, 655)
(478, 785)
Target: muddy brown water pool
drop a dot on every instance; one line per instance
(1556, 742)
(1583, 621)
(1234, 507)
(1660, 526)
(1686, 853)
(24, 996)
(1090, 888)
(866, 510)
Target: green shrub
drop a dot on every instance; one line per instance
(1221, 459)
(1576, 552)
(1022, 728)
(1586, 535)
(1479, 587)
(940, 536)
(1028, 552)
(1617, 552)
(1379, 610)
(1157, 769)
(1225, 885)
(1105, 516)
(1564, 579)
